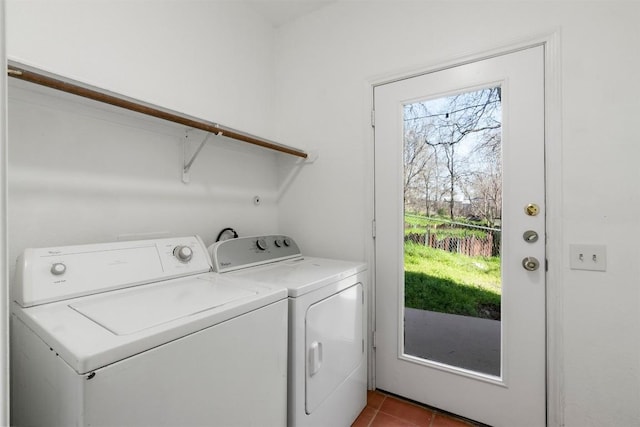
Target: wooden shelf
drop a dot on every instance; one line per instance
(95, 94)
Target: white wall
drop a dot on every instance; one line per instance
(325, 62)
(81, 173)
(210, 59)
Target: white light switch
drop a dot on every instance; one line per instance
(588, 257)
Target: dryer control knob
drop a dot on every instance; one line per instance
(278, 243)
(262, 244)
(287, 242)
(58, 269)
(183, 253)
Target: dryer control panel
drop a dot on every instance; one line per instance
(53, 274)
(243, 252)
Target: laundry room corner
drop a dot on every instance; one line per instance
(82, 172)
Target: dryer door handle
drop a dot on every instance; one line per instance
(315, 358)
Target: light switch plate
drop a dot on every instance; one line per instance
(588, 257)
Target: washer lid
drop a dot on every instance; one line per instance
(93, 331)
(143, 308)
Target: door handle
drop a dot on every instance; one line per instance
(530, 263)
(315, 358)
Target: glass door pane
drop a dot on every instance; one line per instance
(452, 230)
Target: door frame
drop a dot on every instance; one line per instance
(553, 219)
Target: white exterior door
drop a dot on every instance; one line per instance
(444, 374)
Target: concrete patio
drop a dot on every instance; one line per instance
(466, 342)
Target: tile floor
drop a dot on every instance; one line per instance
(384, 410)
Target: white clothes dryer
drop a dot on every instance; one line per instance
(327, 384)
(143, 334)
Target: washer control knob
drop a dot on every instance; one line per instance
(58, 269)
(278, 243)
(287, 242)
(262, 244)
(183, 253)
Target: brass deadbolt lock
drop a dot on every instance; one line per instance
(532, 209)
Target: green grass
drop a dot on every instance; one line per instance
(421, 221)
(446, 282)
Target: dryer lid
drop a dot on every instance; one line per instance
(302, 276)
(146, 307)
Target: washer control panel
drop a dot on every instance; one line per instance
(234, 254)
(58, 273)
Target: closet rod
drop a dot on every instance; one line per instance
(217, 129)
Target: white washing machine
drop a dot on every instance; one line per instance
(327, 312)
(143, 334)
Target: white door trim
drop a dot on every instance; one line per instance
(553, 174)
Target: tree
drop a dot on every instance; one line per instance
(484, 185)
(417, 155)
(462, 131)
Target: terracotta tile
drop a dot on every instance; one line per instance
(365, 417)
(442, 420)
(407, 411)
(375, 399)
(386, 420)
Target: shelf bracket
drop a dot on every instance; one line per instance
(189, 159)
